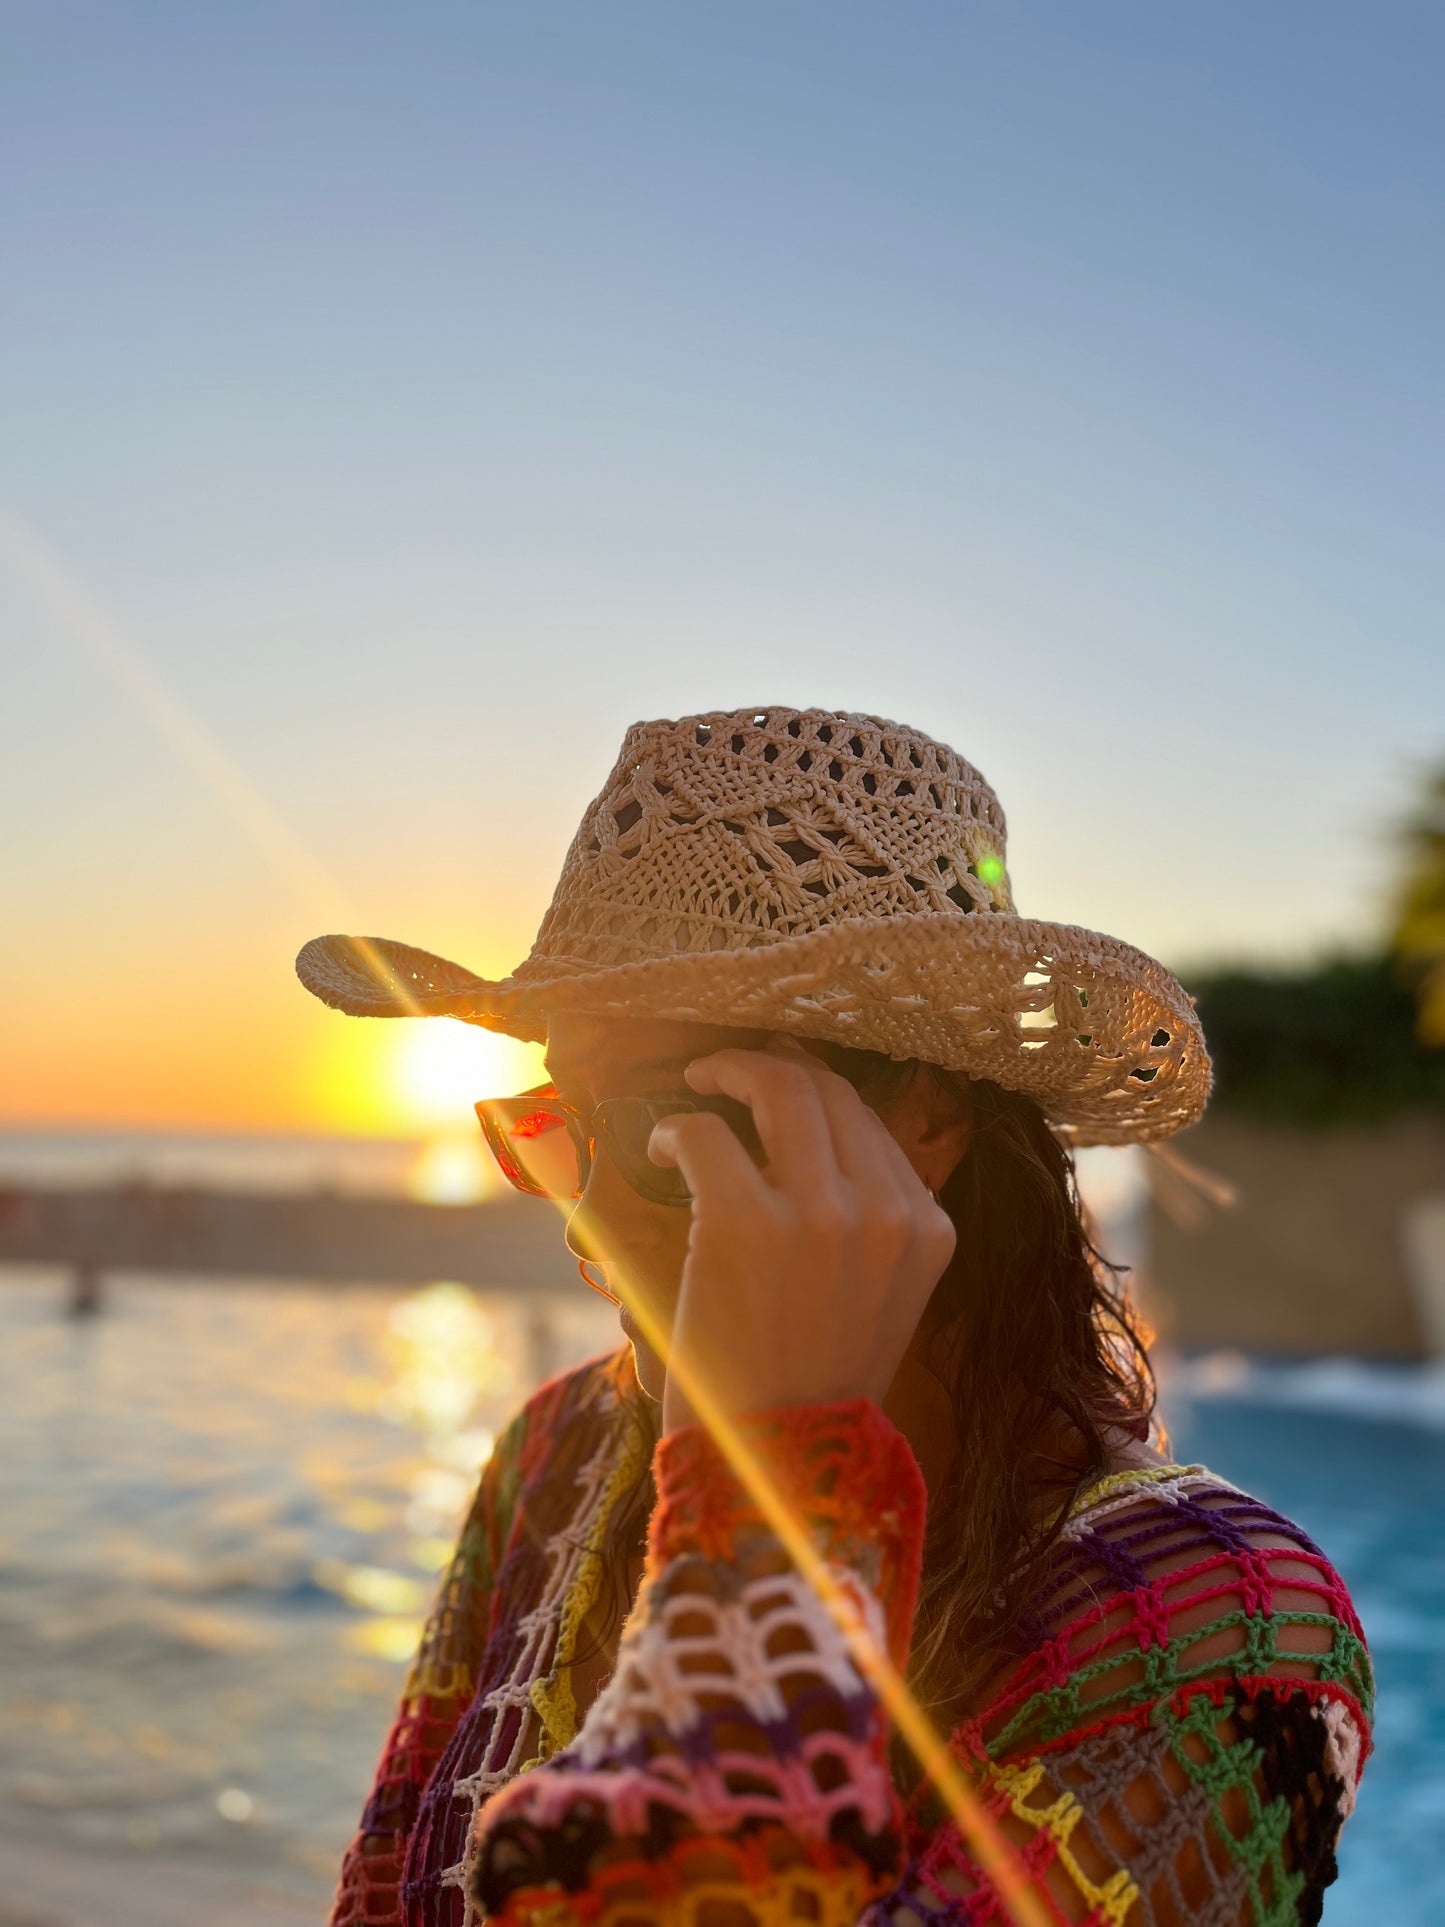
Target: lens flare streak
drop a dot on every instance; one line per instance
(227, 783)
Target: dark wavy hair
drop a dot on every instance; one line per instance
(1042, 1356)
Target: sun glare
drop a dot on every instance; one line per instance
(443, 1066)
(415, 1076)
(446, 1066)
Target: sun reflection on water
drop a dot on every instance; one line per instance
(447, 1357)
(226, 1514)
(454, 1170)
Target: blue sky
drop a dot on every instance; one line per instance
(428, 392)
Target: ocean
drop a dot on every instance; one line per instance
(227, 1505)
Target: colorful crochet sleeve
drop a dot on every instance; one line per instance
(1180, 1743)
(1183, 1742)
(439, 1687)
(736, 1758)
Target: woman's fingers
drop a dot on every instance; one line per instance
(710, 1157)
(804, 1281)
(895, 1208)
(788, 1111)
(866, 1149)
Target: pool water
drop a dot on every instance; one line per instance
(226, 1508)
(227, 1505)
(1356, 1455)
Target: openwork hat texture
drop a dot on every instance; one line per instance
(831, 875)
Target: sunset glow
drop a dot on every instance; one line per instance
(416, 1078)
(443, 1067)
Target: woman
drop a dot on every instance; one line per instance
(814, 1087)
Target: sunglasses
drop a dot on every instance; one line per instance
(545, 1147)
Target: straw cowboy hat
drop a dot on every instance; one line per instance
(833, 876)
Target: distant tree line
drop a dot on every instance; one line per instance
(1419, 934)
(1351, 1039)
(1335, 1044)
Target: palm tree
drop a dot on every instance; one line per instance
(1419, 938)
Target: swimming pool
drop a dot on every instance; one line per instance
(1356, 1454)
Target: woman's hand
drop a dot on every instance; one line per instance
(804, 1281)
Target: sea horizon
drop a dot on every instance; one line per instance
(232, 1159)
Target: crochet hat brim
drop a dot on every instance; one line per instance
(1099, 1035)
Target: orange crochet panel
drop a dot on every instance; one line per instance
(1180, 1743)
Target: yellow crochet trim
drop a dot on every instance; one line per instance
(451, 1679)
(1116, 1482)
(552, 1698)
(1111, 1902)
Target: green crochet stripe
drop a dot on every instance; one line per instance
(1225, 1769)
(502, 1480)
(469, 1575)
(1060, 1710)
(507, 1464)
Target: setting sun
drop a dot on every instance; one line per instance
(443, 1066)
(415, 1077)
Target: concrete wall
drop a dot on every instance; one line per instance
(1312, 1259)
(511, 1243)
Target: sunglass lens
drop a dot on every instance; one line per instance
(625, 1125)
(533, 1143)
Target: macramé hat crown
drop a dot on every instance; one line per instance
(830, 875)
(740, 828)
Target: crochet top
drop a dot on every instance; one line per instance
(1178, 1741)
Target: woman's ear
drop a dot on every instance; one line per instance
(932, 1122)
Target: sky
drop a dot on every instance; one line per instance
(395, 403)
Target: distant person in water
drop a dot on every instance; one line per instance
(814, 1090)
